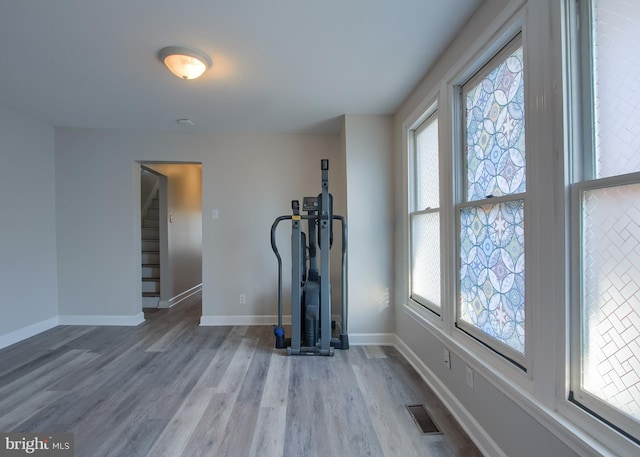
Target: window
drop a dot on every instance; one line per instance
(425, 216)
(491, 282)
(606, 214)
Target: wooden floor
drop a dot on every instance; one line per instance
(172, 388)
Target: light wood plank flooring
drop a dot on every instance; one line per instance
(172, 388)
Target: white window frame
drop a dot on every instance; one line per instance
(425, 121)
(582, 175)
(505, 48)
(584, 399)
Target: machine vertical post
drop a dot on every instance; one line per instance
(325, 246)
(296, 279)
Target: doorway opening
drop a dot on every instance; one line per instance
(171, 233)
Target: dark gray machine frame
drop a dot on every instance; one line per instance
(311, 289)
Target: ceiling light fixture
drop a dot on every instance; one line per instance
(185, 63)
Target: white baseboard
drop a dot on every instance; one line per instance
(216, 321)
(371, 339)
(27, 332)
(187, 295)
(123, 320)
(471, 426)
(357, 339)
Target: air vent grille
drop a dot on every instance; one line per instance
(423, 420)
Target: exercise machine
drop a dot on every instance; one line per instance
(311, 324)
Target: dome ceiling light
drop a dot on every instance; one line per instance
(185, 63)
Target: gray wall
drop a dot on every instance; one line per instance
(249, 179)
(28, 271)
(148, 182)
(368, 143)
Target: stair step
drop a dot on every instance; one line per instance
(150, 285)
(153, 213)
(150, 234)
(150, 271)
(150, 246)
(150, 301)
(155, 203)
(152, 258)
(149, 222)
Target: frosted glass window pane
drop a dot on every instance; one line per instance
(616, 33)
(492, 271)
(425, 259)
(427, 173)
(611, 296)
(495, 149)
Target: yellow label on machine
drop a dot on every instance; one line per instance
(295, 218)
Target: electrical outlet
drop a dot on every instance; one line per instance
(470, 377)
(243, 299)
(447, 358)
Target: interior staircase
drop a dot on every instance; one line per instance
(151, 254)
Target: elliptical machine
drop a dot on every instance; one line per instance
(311, 323)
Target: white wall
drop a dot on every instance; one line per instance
(368, 142)
(249, 179)
(28, 271)
(184, 226)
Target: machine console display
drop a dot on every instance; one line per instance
(310, 204)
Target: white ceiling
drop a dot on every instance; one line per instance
(278, 65)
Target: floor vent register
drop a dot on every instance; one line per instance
(423, 420)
